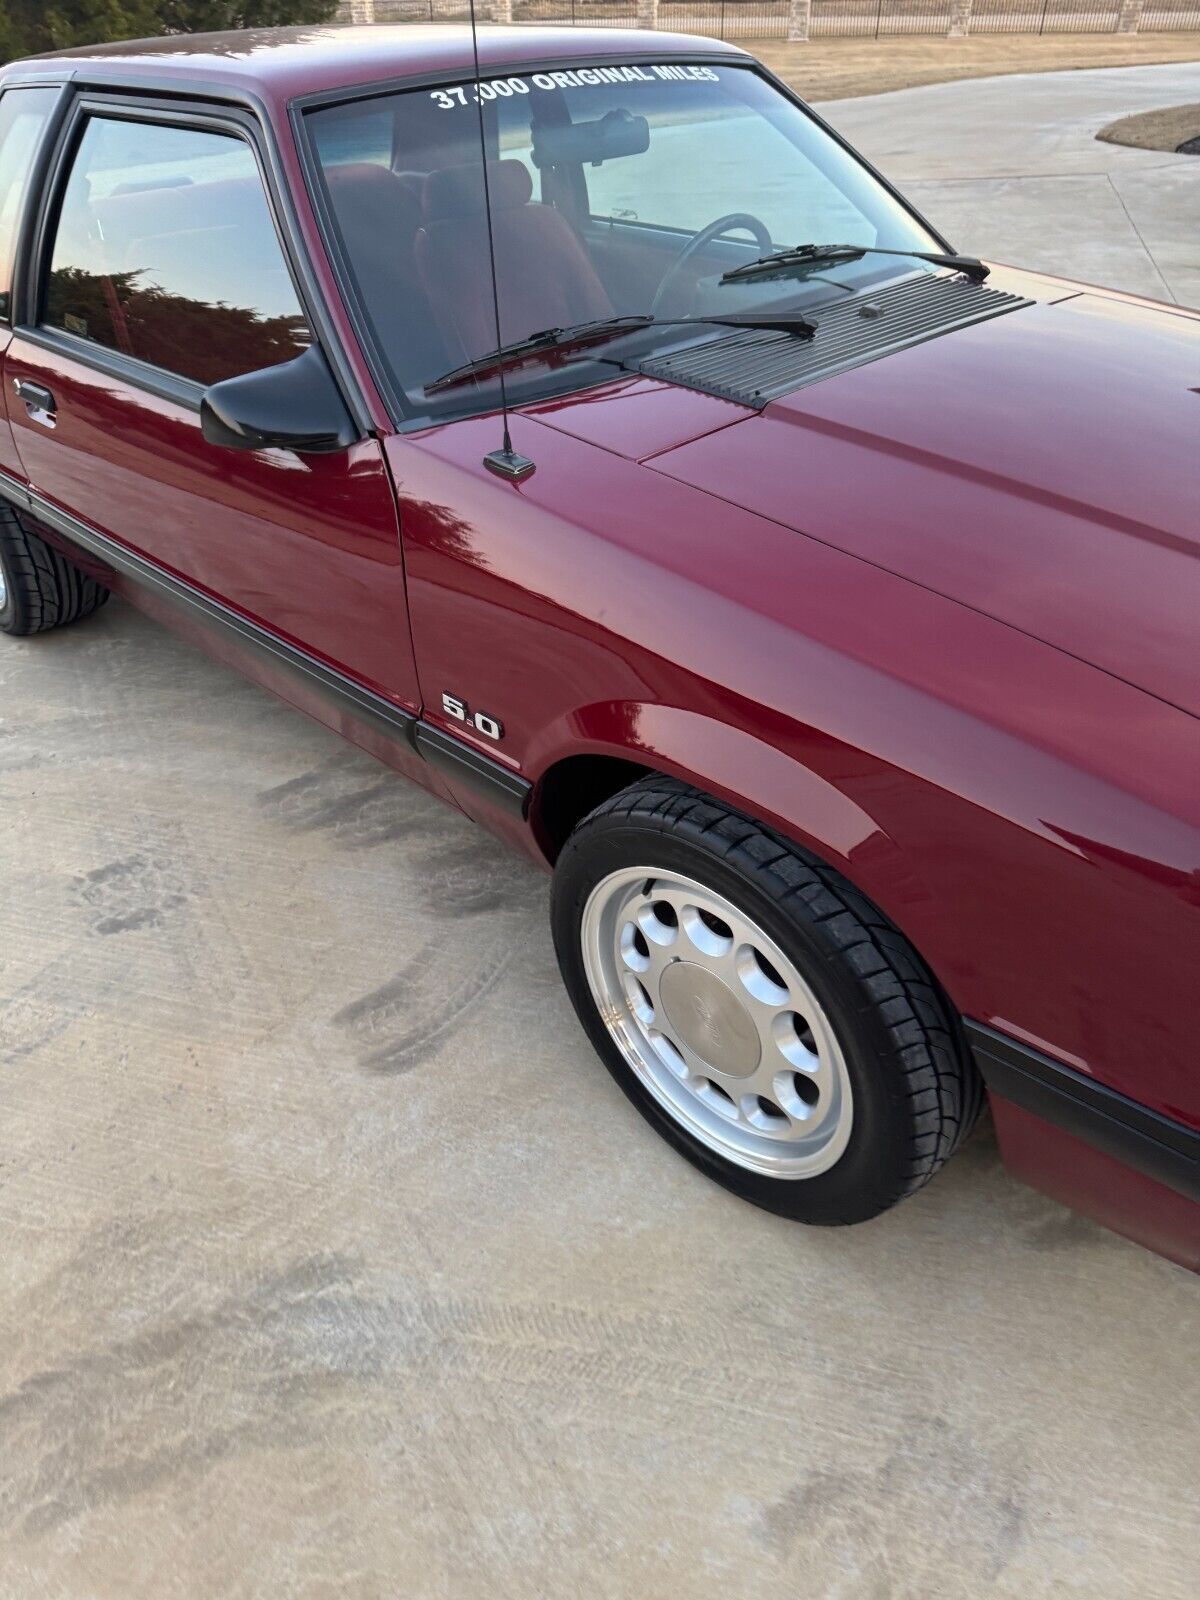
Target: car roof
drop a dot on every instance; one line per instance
(279, 64)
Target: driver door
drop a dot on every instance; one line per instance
(164, 274)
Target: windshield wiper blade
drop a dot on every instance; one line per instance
(796, 257)
(776, 265)
(581, 334)
(575, 337)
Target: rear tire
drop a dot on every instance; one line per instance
(39, 589)
(764, 1017)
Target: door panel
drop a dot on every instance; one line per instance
(308, 546)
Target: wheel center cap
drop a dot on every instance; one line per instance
(710, 1019)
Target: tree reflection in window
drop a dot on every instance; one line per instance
(202, 341)
(166, 251)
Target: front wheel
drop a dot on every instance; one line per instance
(768, 1021)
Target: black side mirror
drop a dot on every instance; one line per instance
(294, 406)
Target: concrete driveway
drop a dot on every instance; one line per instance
(334, 1265)
(1012, 168)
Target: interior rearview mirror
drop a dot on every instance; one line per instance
(617, 133)
(294, 406)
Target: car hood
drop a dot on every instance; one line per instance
(1042, 467)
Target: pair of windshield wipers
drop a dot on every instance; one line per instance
(778, 264)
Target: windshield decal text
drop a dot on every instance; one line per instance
(470, 94)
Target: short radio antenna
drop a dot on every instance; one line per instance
(505, 462)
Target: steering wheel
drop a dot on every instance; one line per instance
(701, 241)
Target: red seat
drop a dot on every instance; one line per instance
(543, 274)
(379, 215)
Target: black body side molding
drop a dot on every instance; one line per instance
(1154, 1145)
(502, 786)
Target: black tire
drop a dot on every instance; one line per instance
(41, 588)
(916, 1091)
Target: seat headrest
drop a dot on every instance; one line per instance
(181, 181)
(140, 210)
(458, 191)
(372, 196)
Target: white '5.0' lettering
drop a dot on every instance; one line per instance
(479, 720)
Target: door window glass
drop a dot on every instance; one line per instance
(166, 252)
(23, 114)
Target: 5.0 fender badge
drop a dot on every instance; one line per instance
(479, 720)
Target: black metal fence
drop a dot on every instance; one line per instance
(877, 18)
(768, 19)
(1170, 16)
(726, 19)
(1045, 16)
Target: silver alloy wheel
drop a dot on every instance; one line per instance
(3, 587)
(717, 1023)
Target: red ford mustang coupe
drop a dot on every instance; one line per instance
(596, 439)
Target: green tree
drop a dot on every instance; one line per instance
(28, 27)
(213, 16)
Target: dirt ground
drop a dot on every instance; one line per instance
(834, 69)
(1165, 129)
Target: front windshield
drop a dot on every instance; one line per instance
(615, 191)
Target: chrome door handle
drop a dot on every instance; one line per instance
(38, 398)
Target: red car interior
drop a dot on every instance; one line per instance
(379, 216)
(545, 276)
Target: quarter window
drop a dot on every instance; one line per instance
(23, 116)
(166, 252)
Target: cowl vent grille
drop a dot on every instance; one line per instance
(756, 366)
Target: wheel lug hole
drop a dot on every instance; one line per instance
(805, 1089)
(764, 1114)
(710, 934)
(760, 977)
(635, 952)
(797, 1096)
(658, 924)
(795, 1041)
(639, 1001)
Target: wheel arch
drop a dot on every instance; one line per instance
(609, 747)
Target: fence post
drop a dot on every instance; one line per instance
(502, 10)
(1130, 18)
(647, 13)
(362, 10)
(960, 19)
(799, 12)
